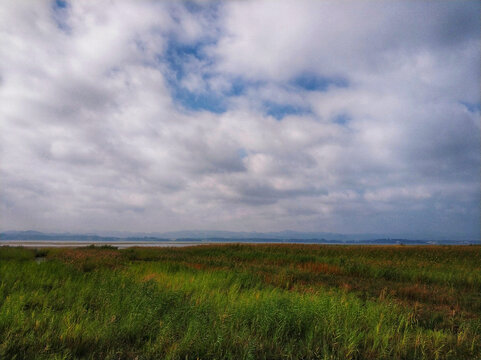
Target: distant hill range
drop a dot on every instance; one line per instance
(227, 237)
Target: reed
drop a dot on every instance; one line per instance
(241, 302)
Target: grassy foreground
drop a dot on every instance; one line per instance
(241, 302)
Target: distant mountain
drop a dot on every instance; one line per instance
(38, 236)
(286, 234)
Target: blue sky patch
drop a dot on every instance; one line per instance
(342, 119)
(61, 4)
(238, 87)
(178, 54)
(313, 82)
(472, 107)
(279, 111)
(176, 57)
(60, 10)
(209, 101)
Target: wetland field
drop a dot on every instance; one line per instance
(241, 302)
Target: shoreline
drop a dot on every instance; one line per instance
(75, 244)
(180, 243)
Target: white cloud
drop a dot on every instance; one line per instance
(93, 136)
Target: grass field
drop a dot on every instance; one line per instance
(241, 302)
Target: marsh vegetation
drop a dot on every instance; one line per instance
(241, 302)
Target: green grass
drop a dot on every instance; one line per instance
(242, 302)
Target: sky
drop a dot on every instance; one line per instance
(338, 116)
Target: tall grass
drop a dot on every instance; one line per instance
(239, 302)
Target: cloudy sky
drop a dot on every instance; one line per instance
(260, 116)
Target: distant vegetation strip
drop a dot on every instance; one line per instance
(241, 302)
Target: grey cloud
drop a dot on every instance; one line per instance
(93, 138)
